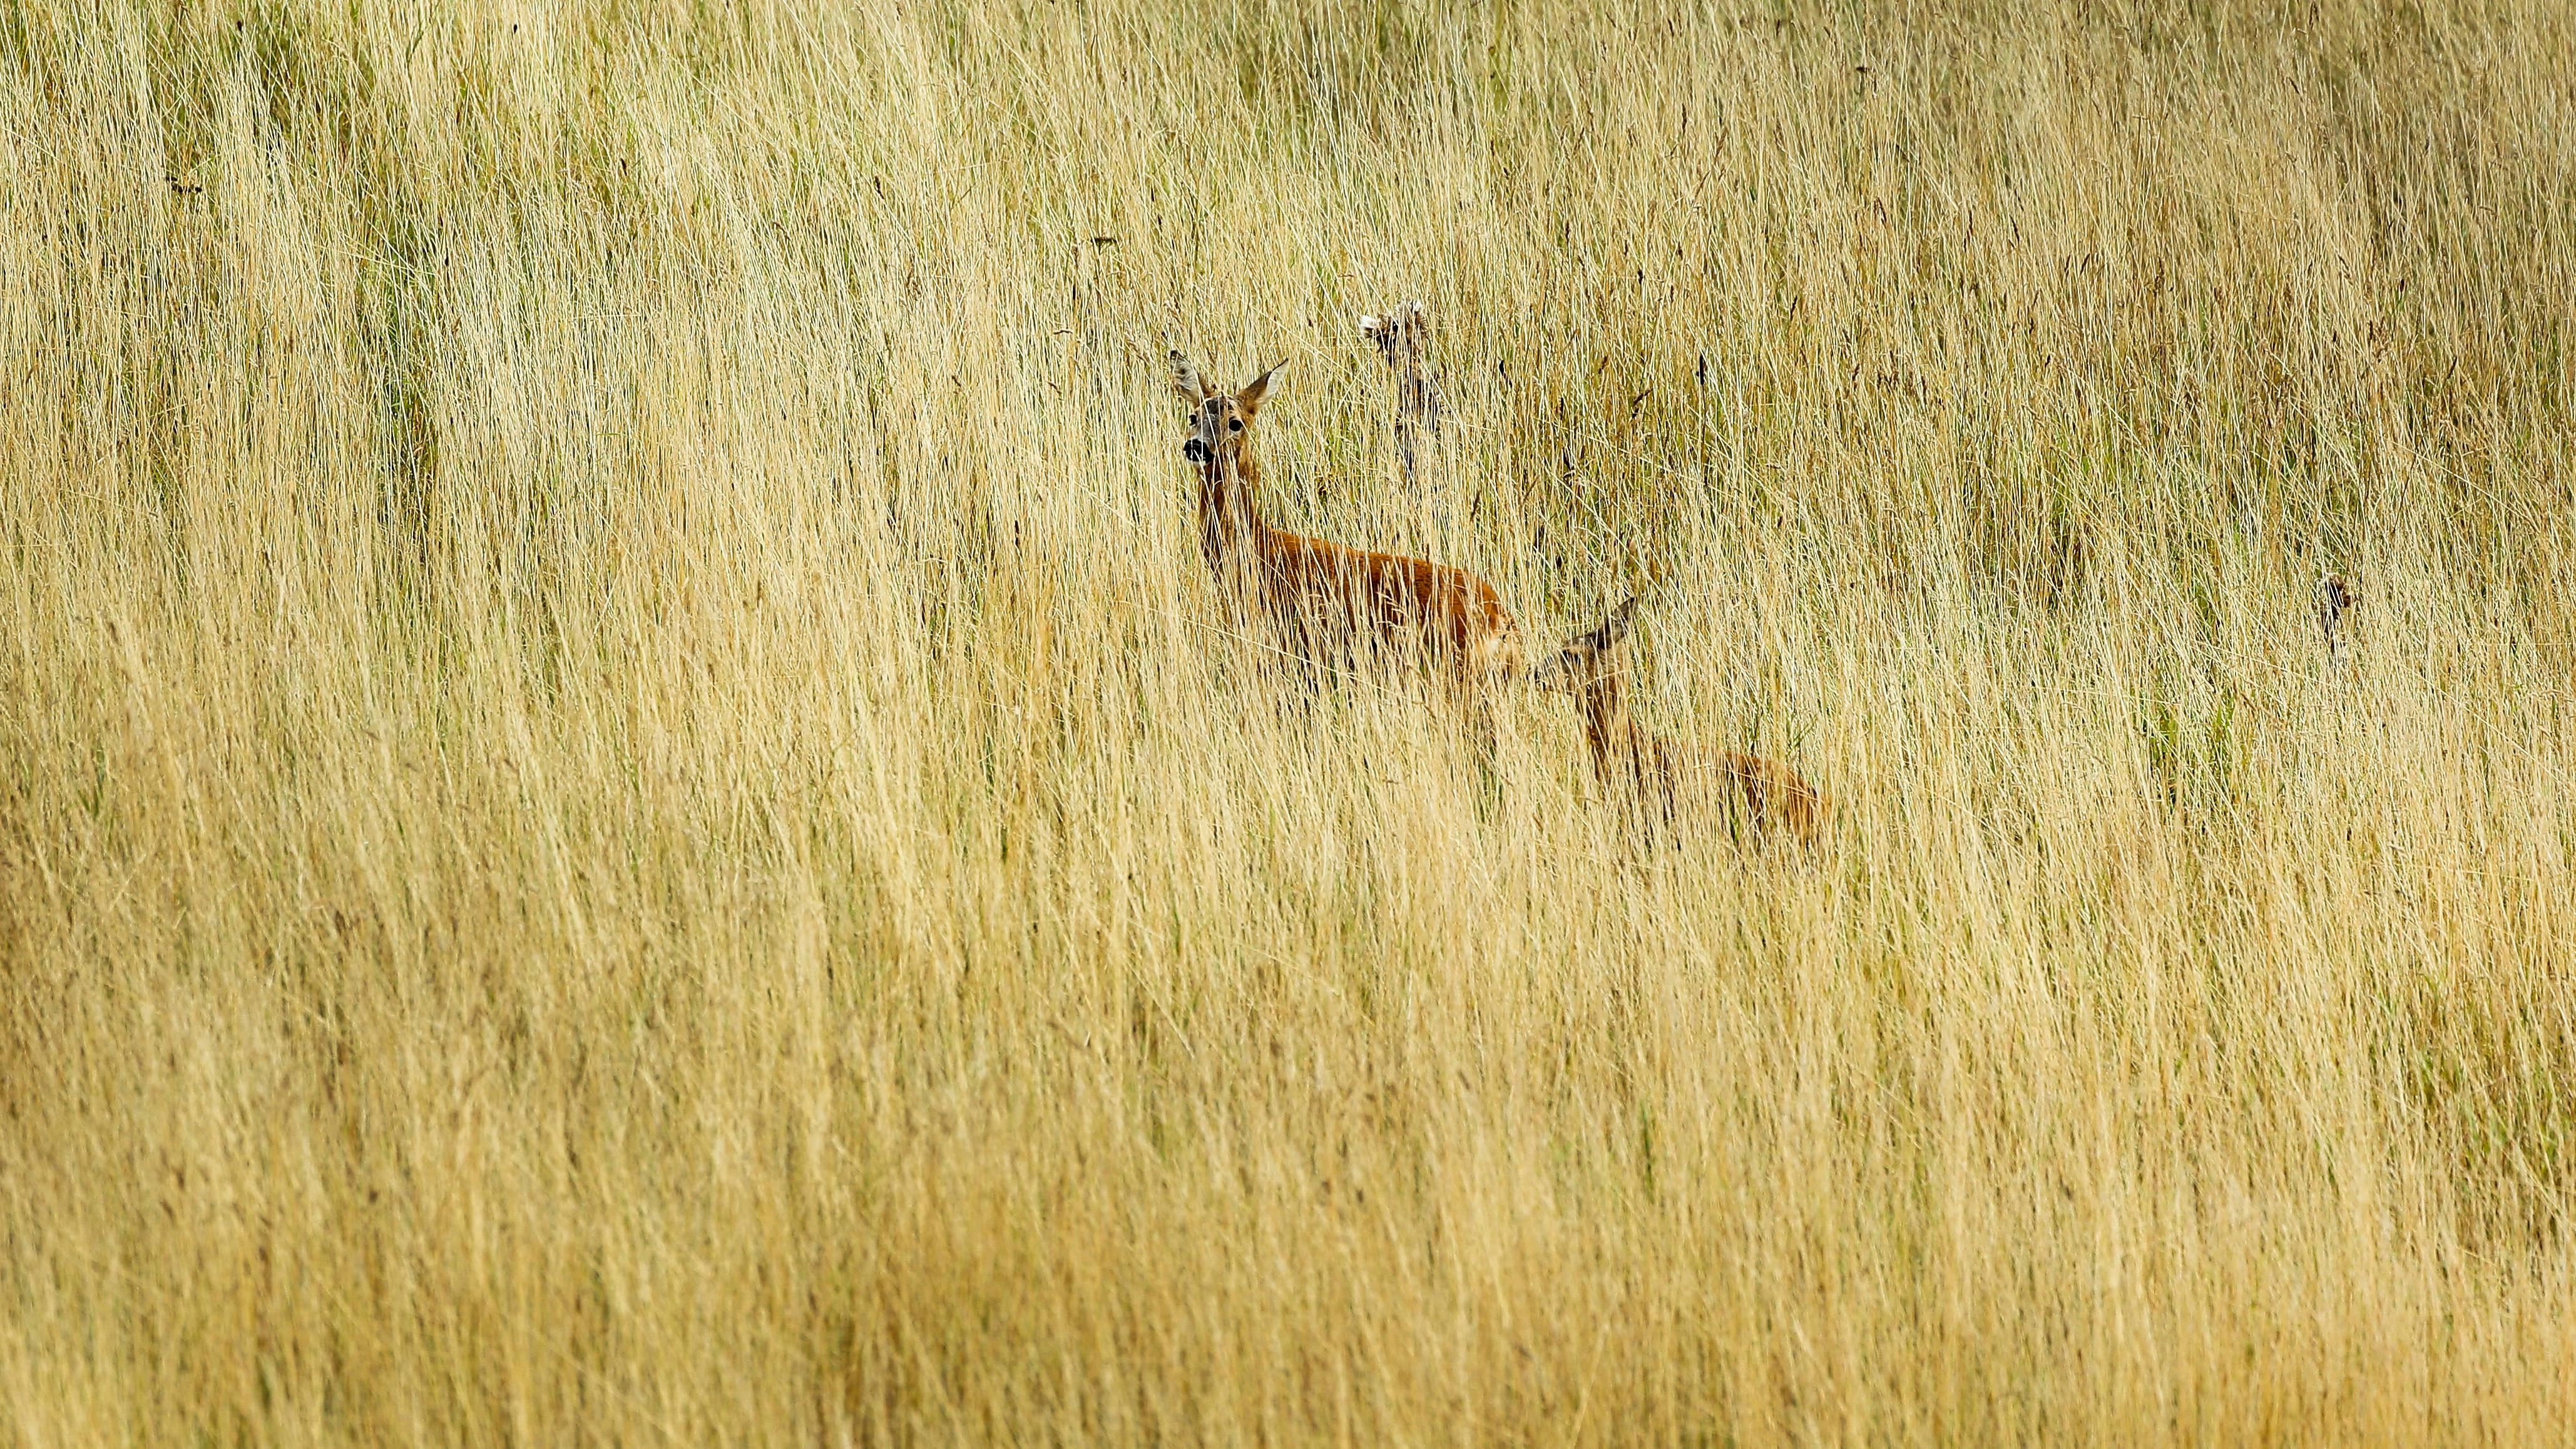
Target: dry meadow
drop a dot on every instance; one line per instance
(627, 815)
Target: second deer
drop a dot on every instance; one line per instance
(1666, 779)
(1401, 337)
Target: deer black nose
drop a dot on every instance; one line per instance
(1194, 450)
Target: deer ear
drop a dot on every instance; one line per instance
(1383, 333)
(1620, 620)
(1249, 399)
(1186, 380)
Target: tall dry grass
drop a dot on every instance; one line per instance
(625, 819)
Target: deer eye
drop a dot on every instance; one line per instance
(1234, 425)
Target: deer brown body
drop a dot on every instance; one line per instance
(1328, 603)
(1667, 780)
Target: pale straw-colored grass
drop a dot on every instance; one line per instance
(623, 817)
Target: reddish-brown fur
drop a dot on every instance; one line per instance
(1661, 776)
(1326, 601)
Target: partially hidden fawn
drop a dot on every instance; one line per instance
(1668, 781)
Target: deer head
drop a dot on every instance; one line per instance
(1218, 420)
(1399, 335)
(1586, 667)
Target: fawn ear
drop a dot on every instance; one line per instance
(1186, 380)
(1249, 399)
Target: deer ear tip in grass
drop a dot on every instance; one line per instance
(2337, 596)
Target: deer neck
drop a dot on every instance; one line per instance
(1230, 526)
(1607, 728)
(1417, 404)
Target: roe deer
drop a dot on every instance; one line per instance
(2336, 597)
(1401, 336)
(1327, 601)
(1660, 775)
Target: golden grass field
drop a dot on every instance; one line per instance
(627, 815)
